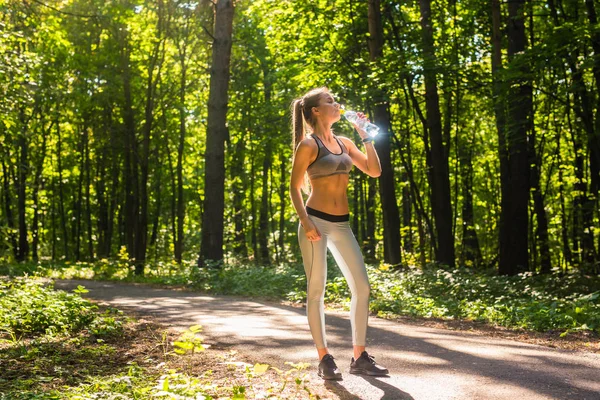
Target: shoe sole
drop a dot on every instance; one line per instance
(336, 378)
(360, 371)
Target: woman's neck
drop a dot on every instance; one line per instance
(323, 132)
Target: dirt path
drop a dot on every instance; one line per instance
(424, 363)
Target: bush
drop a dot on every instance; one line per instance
(28, 308)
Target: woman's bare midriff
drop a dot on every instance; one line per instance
(329, 194)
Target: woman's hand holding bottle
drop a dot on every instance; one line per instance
(361, 123)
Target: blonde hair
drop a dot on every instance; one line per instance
(302, 117)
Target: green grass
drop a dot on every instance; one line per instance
(557, 302)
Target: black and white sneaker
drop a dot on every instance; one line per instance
(328, 370)
(366, 365)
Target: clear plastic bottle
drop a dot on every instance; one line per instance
(352, 116)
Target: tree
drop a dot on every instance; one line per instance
(214, 178)
(391, 214)
(439, 174)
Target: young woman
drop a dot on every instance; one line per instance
(327, 159)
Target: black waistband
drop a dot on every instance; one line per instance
(327, 217)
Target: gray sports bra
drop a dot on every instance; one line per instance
(328, 163)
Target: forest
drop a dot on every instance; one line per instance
(160, 129)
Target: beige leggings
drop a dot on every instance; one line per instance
(338, 237)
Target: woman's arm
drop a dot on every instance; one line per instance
(302, 159)
(368, 163)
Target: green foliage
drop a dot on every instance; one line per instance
(30, 308)
(542, 303)
(189, 342)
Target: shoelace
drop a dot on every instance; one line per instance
(329, 362)
(371, 359)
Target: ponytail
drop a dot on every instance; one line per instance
(297, 123)
(302, 118)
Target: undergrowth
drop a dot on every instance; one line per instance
(555, 302)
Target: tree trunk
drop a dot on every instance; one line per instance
(541, 234)
(282, 201)
(371, 223)
(8, 209)
(131, 179)
(594, 136)
(102, 179)
(88, 204)
(391, 214)
(253, 217)
(499, 95)
(173, 180)
(515, 258)
(471, 252)
(37, 186)
(214, 180)
(141, 235)
(239, 190)
(263, 221)
(21, 185)
(440, 180)
(583, 241)
(61, 195)
(180, 150)
(78, 201)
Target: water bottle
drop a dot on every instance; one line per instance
(368, 127)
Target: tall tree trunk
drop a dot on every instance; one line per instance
(238, 187)
(263, 219)
(131, 178)
(391, 214)
(180, 150)
(78, 201)
(21, 185)
(440, 179)
(282, 200)
(535, 161)
(541, 234)
(594, 137)
(8, 208)
(114, 195)
(61, 195)
(101, 181)
(500, 113)
(141, 236)
(158, 173)
(515, 258)
(593, 254)
(214, 179)
(173, 180)
(471, 252)
(36, 187)
(254, 216)
(371, 223)
(582, 206)
(563, 214)
(88, 204)
(407, 215)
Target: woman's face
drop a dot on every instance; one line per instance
(328, 109)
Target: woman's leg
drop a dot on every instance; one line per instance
(314, 257)
(347, 254)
